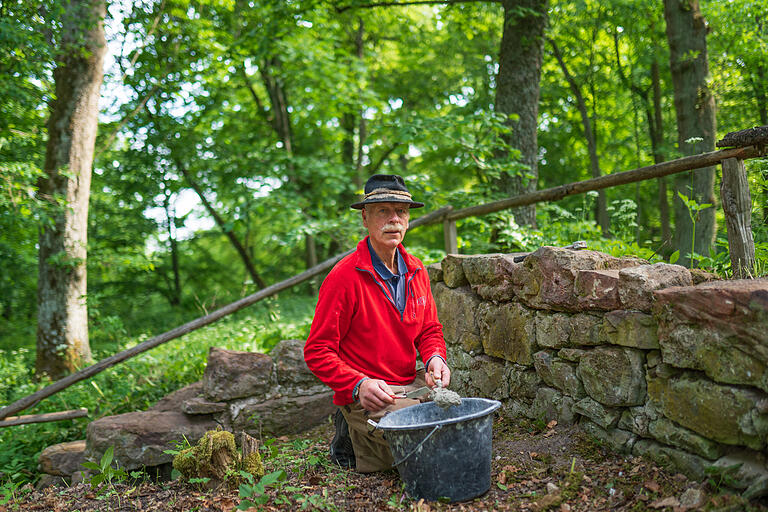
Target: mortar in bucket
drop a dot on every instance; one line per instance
(442, 453)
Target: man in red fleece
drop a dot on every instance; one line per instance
(375, 313)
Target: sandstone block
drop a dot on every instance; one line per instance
(490, 276)
(140, 438)
(637, 284)
(614, 376)
(558, 374)
(281, 416)
(458, 311)
(546, 278)
(719, 328)
(689, 464)
(746, 470)
(619, 440)
(508, 331)
(722, 413)
(435, 272)
(630, 329)
(571, 354)
(597, 289)
(233, 374)
(523, 381)
(488, 377)
(585, 329)
(552, 329)
(669, 433)
(606, 417)
(292, 370)
(725, 359)
(550, 404)
(453, 273)
(458, 359)
(200, 405)
(517, 408)
(638, 419)
(62, 459)
(175, 401)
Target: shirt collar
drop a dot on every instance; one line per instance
(382, 269)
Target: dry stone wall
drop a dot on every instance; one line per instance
(636, 354)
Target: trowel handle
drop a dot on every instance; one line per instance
(373, 424)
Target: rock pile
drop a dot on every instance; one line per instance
(259, 394)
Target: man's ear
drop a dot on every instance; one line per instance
(365, 220)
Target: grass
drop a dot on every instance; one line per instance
(137, 383)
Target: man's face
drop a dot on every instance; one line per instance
(386, 223)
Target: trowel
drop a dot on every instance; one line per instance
(416, 393)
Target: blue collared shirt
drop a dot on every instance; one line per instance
(395, 282)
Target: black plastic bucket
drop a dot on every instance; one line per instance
(443, 454)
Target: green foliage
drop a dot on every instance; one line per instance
(694, 209)
(253, 493)
(103, 472)
(138, 383)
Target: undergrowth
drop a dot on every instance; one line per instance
(135, 384)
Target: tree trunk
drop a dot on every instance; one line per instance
(695, 111)
(589, 134)
(62, 326)
(175, 293)
(657, 141)
(760, 95)
(517, 91)
(222, 225)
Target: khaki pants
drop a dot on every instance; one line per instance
(371, 449)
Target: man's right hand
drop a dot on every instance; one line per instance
(375, 394)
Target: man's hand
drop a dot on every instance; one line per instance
(375, 394)
(438, 370)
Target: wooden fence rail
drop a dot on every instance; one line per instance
(753, 147)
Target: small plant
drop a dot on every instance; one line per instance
(722, 477)
(254, 493)
(11, 490)
(694, 210)
(104, 472)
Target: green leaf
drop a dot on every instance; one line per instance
(106, 459)
(674, 256)
(91, 465)
(273, 477)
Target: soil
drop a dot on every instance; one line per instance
(534, 468)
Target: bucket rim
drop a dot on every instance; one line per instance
(492, 405)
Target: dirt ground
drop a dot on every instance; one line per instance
(534, 468)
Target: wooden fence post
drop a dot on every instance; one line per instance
(737, 205)
(450, 236)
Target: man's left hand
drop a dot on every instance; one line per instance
(438, 370)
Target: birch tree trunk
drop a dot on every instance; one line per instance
(695, 111)
(517, 91)
(62, 327)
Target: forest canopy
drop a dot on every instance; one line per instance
(232, 137)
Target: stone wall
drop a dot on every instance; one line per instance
(647, 358)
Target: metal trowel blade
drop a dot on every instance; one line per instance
(416, 393)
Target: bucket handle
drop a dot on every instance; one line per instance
(437, 427)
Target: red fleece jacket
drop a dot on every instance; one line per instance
(358, 332)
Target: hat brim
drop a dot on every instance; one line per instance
(387, 199)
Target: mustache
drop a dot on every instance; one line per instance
(392, 227)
